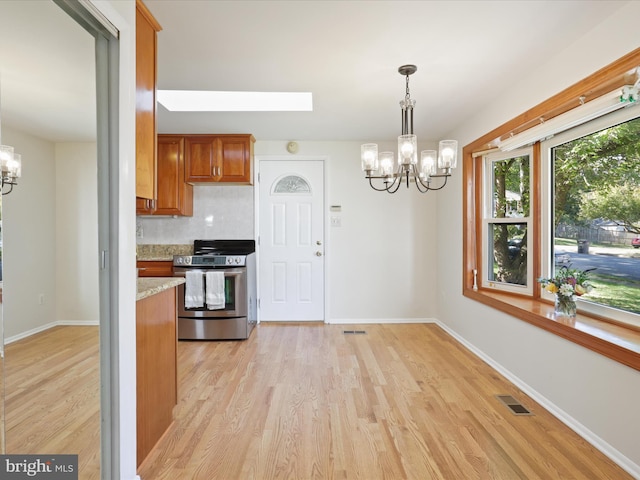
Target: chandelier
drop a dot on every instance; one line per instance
(381, 167)
(10, 168)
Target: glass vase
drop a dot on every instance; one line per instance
(565, 306)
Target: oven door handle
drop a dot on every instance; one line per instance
(227, 271)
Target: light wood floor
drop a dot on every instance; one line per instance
(303, 401)
(52, 396)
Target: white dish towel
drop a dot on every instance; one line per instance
(194, 289)
(215, 290)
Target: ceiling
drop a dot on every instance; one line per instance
(346, 53)
(47, 72)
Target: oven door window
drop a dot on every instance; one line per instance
(235, 297)
(230, 292)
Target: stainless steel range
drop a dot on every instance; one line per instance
(218, 300)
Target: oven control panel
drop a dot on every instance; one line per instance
(211, 261)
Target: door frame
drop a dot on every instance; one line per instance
(114, 31)
(325, 217)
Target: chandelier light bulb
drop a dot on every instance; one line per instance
(428, 163)
(6, 155)
(386, 164)
(407, 149)
(448, 154)
(369, 155)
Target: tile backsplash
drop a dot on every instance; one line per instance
(219, 212)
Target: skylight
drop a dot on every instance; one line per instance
(208, 101)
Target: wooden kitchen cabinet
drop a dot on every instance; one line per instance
(219, 159)
(146, 76)
(175, 196)
(155, 268)
(156, 368)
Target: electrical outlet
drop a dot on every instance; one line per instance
(41, 299)
(139, 230)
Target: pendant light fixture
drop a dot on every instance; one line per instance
(389, 175)
(10, 168)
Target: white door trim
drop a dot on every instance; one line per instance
(325, 215)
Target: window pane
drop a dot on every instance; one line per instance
(508, 253)
(510, 196)
(596, 206)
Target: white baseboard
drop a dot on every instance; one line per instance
(78, 323)
(620, 459)
(47, 326)
(364, 321)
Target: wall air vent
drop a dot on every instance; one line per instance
(354, 332)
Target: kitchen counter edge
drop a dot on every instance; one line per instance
(149, 286)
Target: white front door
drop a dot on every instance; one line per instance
(291, 240)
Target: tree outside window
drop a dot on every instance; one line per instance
(507, 220)
(596, 203)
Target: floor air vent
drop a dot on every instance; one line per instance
(515, 406)
(354, 332)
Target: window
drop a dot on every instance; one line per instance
(591, 210)
(292, 184)
(507, 223)
(598, 326)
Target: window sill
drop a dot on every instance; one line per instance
(617, 342)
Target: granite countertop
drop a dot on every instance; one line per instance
(148, 286)
(161, 252)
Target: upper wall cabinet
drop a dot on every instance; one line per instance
(219, 159)
(146, 74)
(175, 196)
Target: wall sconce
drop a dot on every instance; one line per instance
(10, 167)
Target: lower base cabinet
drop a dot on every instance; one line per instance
(157, 374)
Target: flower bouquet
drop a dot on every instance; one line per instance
(568, 284)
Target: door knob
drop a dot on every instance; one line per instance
(318, 253)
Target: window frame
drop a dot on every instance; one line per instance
(488, 219)
(596, 332)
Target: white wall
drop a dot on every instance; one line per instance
(29, 237)
(77, 253)
(381, 261)
(50, 237)
(597, 392)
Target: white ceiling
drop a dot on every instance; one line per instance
(47, 72)
(345, 52)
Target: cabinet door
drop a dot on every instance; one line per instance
(156, 368)
(175, 197)
(200, 158)
(146, 47)
(236, 159)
